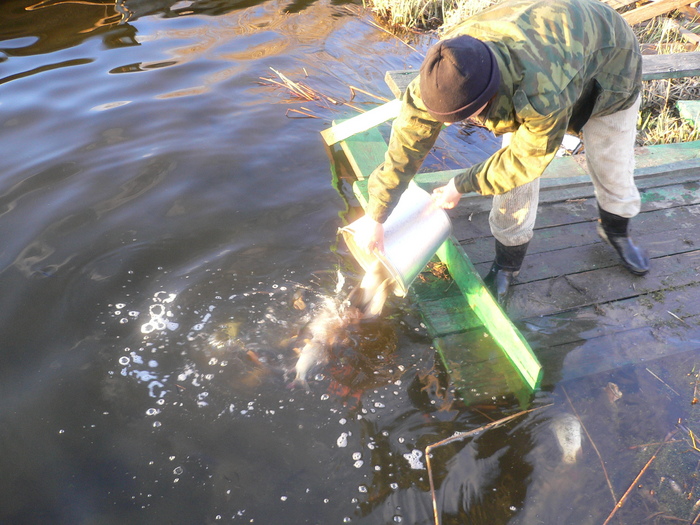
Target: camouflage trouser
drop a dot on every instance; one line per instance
(609, 146)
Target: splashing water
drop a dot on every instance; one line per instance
(365, 301)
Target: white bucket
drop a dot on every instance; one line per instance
(412, 234)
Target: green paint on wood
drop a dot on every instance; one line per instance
(478, 368)
(365, 151)
(487, 310)
(689, 111)
(446, 316)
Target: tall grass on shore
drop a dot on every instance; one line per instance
(425, 14)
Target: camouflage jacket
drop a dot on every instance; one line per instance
(561, 61)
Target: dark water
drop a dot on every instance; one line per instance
(160, 218)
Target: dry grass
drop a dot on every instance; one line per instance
(425, 14)
(660, 122)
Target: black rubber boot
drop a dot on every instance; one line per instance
(505, 268)
(615, 230)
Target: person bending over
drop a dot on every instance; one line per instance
(530, 71)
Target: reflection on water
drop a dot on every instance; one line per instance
(167, 235)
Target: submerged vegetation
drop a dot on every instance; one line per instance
(659, 123)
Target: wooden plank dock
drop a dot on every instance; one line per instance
(575, 307)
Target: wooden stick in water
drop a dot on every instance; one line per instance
(620, 503)
(458, 437)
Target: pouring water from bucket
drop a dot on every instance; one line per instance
(412, 234)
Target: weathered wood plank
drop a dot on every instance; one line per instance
(675, 201)
(677, 65)
(596, 255)
(490, 314)
(613, 351)
(672, 307)
(555, 294)
(649, 228)
(659, 7)
(598, 338)
(687, 34)
(361, 122)
(563, 189)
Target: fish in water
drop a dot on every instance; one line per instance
(365, 301)
(321, 333)
(567, 429)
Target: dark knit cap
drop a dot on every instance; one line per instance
(457, 77)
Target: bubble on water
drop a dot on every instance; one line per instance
(347, 520)
(201, 399)
(324, 397)
(124, 360)
(343, 440)
(358, 463)
(394, 486)
(152, 412)
(283, 498)
(156, 424)
(159, 314)
(119, 306)
(398, 519)
(362, 488)
(178, 471)
(414, 459)
(513, 508)
(342, 421)
(357, 455)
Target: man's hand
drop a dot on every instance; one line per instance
(369, 234)
(447, 196)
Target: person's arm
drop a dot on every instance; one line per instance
(413, 134)
(532, 147)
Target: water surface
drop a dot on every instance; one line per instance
(161, 215)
